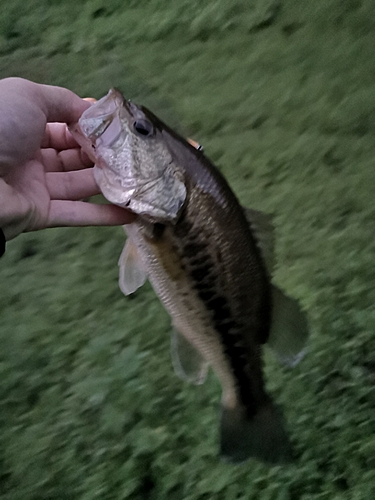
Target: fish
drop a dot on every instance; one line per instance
(209, 260)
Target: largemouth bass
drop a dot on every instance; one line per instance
(209, 261)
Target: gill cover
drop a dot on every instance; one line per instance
(133, 166)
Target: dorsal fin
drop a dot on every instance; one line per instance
(289, 328)
(263, 230)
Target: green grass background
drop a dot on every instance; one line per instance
(281, 93)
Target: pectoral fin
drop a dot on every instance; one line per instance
(289, 329)
(263, 230)
(188, 363)
(132, 273)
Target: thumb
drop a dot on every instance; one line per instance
(60, 104)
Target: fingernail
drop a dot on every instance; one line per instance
(90, 99)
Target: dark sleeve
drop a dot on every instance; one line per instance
(2, 243)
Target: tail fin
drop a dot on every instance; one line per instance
(262, 436)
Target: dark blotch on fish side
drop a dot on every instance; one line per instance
(193, 248)
(206, 295)
(158, 231)
(200, 273)
(200, 266)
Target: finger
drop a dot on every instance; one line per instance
(57, 136)
(80, 213)
(56, 103)
(60, 104)
(71, 185)
(74, 159)
(25, 108)
(64, 161)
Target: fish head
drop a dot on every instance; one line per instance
(134, 167)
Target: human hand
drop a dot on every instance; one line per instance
(43, 172)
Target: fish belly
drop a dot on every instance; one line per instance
(189, 315)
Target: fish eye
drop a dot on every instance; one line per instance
(143, 127)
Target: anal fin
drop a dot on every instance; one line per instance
(188, 363)
(263, 230)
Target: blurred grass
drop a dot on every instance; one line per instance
(282, 96)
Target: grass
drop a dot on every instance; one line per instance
(281, 94)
